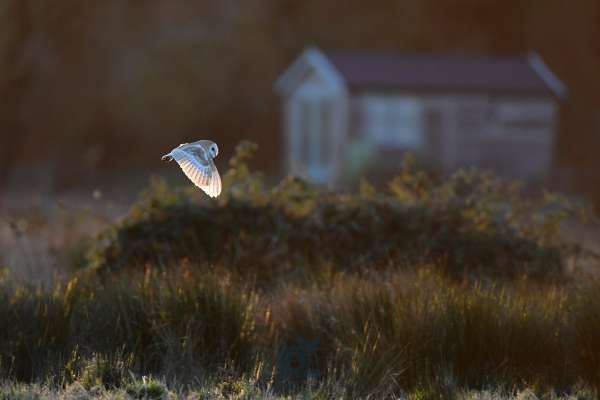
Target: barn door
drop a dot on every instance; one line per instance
(314, 134)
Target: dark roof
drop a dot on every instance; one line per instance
(446, 73)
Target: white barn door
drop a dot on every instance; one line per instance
(313, 131)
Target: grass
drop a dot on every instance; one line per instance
(245, 389)
(455, 289)
(393, 332)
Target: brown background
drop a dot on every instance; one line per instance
(92, 89)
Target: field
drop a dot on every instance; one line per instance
(461, 288)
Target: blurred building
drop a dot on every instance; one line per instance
(344, 113)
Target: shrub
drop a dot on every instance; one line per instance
(470, 224)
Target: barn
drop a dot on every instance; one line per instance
(346, 112)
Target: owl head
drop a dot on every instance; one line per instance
(213, 149)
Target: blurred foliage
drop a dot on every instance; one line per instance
(471, 223)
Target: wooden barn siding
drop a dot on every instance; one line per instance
(522, 151)
(459, 132)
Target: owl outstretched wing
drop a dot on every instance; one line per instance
(198, 167)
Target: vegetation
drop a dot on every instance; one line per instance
(472, 223)
(449, 289)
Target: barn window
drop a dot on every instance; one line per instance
(393, 120)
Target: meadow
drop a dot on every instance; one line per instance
(461, 287)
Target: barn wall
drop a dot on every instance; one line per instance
(513, 135)
(510, 134)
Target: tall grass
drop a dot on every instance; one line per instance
(166, 325)
(377, 335)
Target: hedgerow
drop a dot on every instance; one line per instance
(470, 224)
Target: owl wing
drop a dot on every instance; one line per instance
(199, 168)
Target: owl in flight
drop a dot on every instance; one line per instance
(196, 161)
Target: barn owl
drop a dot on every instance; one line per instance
(196, 161)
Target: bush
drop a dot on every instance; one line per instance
(470, 224)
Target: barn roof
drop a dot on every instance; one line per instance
(447, 73)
